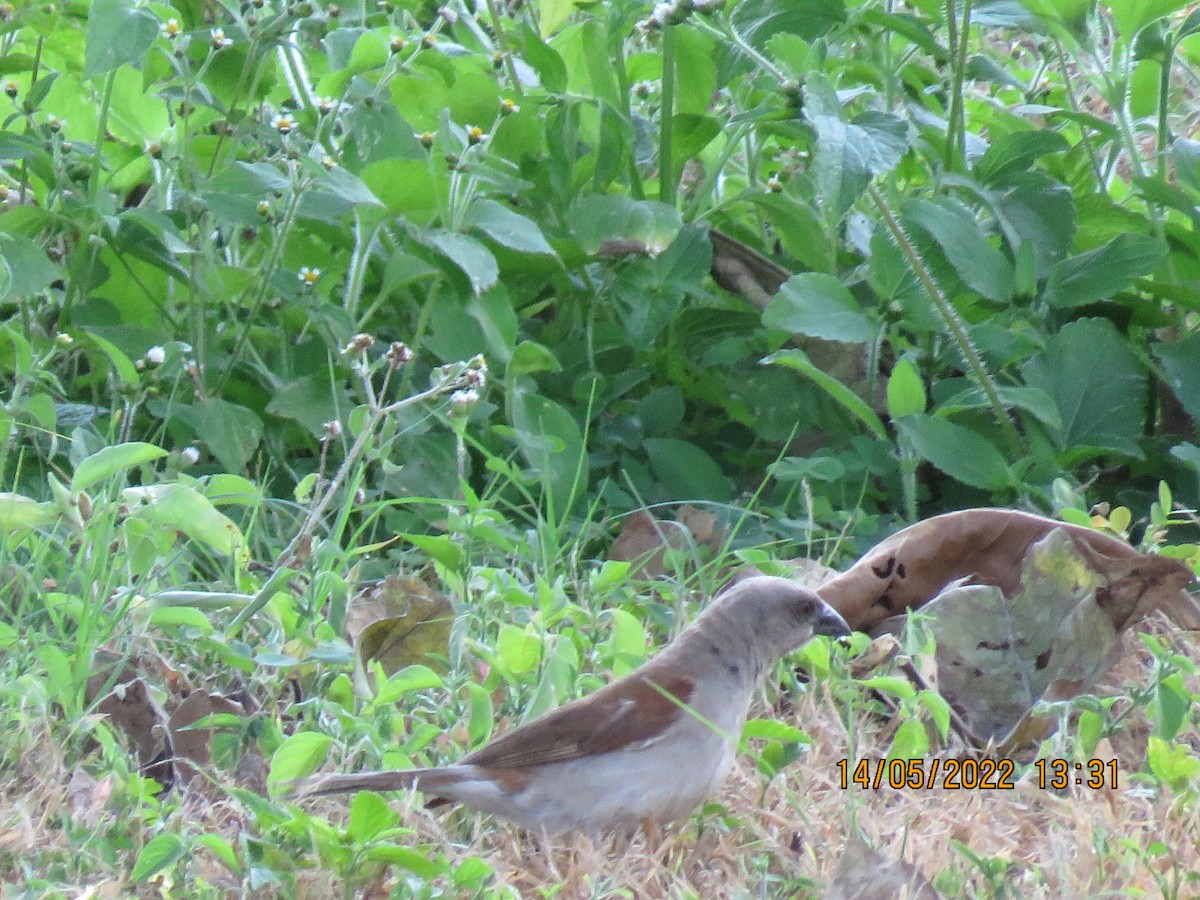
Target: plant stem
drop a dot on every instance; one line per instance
(666, 134)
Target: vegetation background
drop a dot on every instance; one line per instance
(296, 296)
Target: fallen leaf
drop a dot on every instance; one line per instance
(644, 541)
(192, 746)
(987, 546)
(134, 712)
(399, 622)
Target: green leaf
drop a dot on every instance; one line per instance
(759, 21)
(1016, 151)
(1181, 364)
(28, 268)
(982, 267)
(18, 512)
(157, 856)
(597, 220)
(530, 357)
(232, 433)
(518, 650)
(961, 453)
(850, 154)
(1132, 16)
(117, 33)
(686, 471)
(178, 507)
(103, 464)
(1173, 764)
(1097, 383)
(854, 404)
(819, 306)
(298, 756)
(910, 741)
(541, 56)
(905, 391)
(126, 372)
(475, 260)
(552, 444)
(1100, 273)
(506, 227)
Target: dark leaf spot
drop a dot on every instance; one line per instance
(885, 571)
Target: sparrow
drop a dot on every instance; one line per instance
(643, 750)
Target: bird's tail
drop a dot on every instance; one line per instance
(394, 780)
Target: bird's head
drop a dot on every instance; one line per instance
(776, 615)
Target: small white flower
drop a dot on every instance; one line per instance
(189, 456)
(308, 276)
(333, 428)
(155, 356)
(325, 104)
(63, 339)
(283, 124)
(464, 399)
(171, 29)
(219, 41)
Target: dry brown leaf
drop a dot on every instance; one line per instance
(702, 525)
(864, 874)
(134, 712)
(192, 746)
(986, 546)
(399, 622)
(644, 541)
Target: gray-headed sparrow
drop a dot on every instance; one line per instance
(644, 749)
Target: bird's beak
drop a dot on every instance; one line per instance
(830, 624)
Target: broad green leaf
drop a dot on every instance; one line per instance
(506, 227)
(1098, 384)
(518, 650)
(552, 14)
(103, 464)
(910, 741)
(819, 306)
(982, 267)
(553, 446)
(1181, 364)
(961, 453)
(1100, 273)
(475, 260)
(850, 154)
(1132, 16)
(29, 269)
(409, 679)
(530, 357)
(686, 471)
(1174, 764)
(18, 512)
(126, 373)
(118, 32)
(596, 220)
(160, 854)
(232, 433)
(179, 507)
(905, 391)
(544, 59)
(369, 815)
(854, 404)
(760, 20)
(1013, 153)
(813, 468)
(298, 756)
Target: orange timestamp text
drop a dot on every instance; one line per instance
(973, 774)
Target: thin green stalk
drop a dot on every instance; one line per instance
(666, 127)
(101, 131)
(955, 326)
(959, 38)
(635, 178)
(1164, 93)
(505, 47)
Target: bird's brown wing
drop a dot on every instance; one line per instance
(629, 711)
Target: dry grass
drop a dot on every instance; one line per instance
(787, 841)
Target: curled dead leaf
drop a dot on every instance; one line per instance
(192, 747)
(399, 622)
(644, 540)
(987, 546)
(865, 874)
